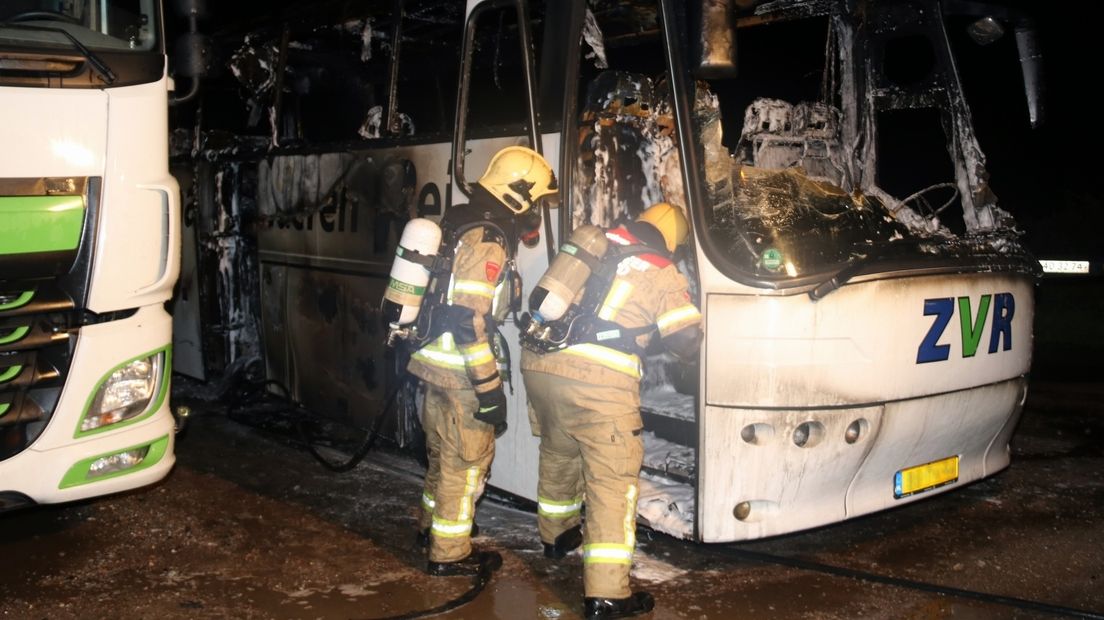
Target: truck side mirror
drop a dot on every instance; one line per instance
(1031, 63)
(189, 8)
(192, 50)
(191, 55)
(988, 29)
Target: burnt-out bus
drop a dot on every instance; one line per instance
(867, 305)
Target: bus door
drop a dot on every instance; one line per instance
(500, 104)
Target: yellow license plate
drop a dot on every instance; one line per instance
(925, 477)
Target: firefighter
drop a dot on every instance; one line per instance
(585, 407)
(464, 407)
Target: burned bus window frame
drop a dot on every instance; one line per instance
(464, 128)
(619, 113)
(908, 242)
(336, 101)
(763, 238)
(432, 122)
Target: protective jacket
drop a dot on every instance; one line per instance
(457, 362)
(648, 290)
(462, 352)
(585, 407)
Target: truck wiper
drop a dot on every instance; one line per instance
(94, 61)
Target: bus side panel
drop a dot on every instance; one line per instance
(325, 248)
(321, 288)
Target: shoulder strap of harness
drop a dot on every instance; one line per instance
(585, 326)
(457, 221)
(601, 276)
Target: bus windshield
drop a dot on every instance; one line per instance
(785, 221)
(103, 25)
(838, 142)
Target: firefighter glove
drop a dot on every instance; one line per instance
(492, 409)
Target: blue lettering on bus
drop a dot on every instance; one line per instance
(930, 350)
(1004, 306)
(943, 309)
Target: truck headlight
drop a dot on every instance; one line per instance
(121, 461)
(126, 392)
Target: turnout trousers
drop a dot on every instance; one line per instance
(590, 447)
(460, 450)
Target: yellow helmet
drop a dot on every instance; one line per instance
(669, 221)
(518, 176)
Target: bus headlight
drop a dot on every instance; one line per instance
(125, 393)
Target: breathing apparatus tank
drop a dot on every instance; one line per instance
(421, 239)
(568, 273)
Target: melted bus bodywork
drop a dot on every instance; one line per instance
(867, 305)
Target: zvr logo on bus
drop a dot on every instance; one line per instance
(943, 309)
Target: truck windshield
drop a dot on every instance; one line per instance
(103, 25)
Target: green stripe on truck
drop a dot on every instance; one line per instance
(15, 334)
(40, 223)
(78, 473)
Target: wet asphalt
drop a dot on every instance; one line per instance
(249, 525)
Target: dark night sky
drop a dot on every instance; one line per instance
(1049, 177)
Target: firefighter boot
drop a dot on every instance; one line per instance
(478, 563)
(638, 603)
(422, 538)
(566, 542)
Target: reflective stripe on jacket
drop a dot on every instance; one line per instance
(475, 271)
(647, 290)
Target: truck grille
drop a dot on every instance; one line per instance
(42, 295)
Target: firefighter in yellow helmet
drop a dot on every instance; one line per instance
(464, 403)
(585, 406)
